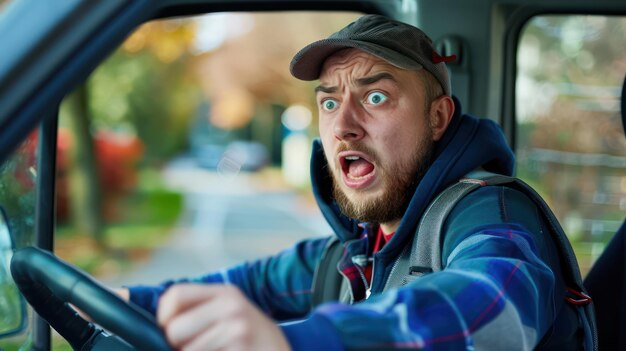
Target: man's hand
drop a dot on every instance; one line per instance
(123, 293)
(216, 317)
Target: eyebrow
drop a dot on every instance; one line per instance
(375, 78)
(360, 82)
(324, 89)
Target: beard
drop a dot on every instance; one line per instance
(399, 183)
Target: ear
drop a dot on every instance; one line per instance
(441, 111)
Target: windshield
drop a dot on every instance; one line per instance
(231, 163)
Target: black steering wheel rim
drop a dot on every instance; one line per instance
(49, 284)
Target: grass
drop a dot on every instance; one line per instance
(144, 221)
(147, 213)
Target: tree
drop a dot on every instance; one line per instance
(147, 89)
(137, 91)
(85, 193)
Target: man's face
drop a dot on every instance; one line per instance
(376, 134)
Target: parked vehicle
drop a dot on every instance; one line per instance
(232, 158)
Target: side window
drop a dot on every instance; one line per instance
(570, 141)
(18, 176)
(187, 150)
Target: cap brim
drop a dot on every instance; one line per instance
(308, 62)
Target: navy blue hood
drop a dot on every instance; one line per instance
(467, 144)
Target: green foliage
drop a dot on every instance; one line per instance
(17, 192)
(149, 217)
(14, 344)
(149, 97)
(10, 305)
(573, 43)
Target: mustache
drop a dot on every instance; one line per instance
(359, 147)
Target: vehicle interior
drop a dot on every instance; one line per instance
(145, 139)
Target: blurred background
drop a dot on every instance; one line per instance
(188, 149)
(570, 140)
(194, 135)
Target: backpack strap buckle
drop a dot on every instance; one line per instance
(579, 298)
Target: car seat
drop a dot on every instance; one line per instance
(606, 282)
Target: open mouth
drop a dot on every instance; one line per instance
(357, 170)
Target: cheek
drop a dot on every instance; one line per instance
(327, 139)
(325, 131)
(398, 145)
(392, 134)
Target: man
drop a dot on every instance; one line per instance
(392, 138)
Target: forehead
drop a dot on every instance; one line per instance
(355, 62)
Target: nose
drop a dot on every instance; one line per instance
(348, 124)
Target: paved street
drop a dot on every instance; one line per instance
(226, 219)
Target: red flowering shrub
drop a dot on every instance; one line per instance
(117, 157)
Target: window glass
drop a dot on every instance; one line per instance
(570, 141)
(17, 199)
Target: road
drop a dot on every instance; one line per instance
(227, 218)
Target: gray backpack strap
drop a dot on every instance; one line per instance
(426, 251)
(327, 282)
(424, 254)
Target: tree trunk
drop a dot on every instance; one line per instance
(84, 186)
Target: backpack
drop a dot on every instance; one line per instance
(423, 256)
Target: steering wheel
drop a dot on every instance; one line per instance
(49, 285)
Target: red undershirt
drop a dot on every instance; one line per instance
(379, 243)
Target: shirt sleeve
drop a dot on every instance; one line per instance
(496, 291)
(280, 285)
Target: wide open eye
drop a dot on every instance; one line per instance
(376, 98)
(329, 104)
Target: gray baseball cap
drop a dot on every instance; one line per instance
(398, 43)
